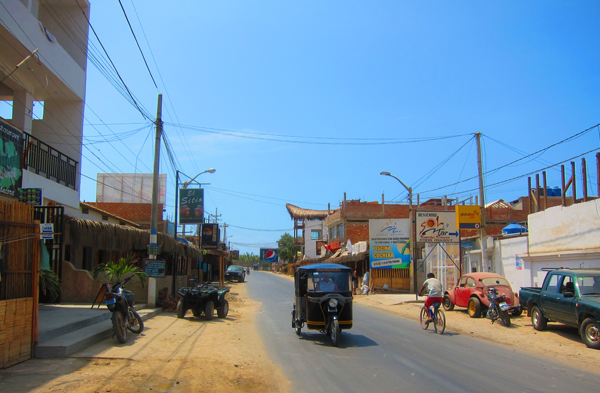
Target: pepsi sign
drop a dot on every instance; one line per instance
(269, 255)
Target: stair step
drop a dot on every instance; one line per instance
(81, 338)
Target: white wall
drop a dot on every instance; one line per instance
(569, 228)
(505, 256)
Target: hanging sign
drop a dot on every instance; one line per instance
(155, 268)
(468, 216)
(437, 227)
(47, 231)
(191, 205)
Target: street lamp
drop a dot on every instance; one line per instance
(185, 184)
(410, 239)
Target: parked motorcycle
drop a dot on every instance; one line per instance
(498, 307)
(124, 317)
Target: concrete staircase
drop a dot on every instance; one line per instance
(66, 329)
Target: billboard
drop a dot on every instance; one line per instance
(389, 243)
(468, 216)
(436, 227)
(191, 205)
(11, 152)
(269, 255)
(210, 236)
(129, 187)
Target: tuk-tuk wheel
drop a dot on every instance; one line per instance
(334, 332)
(298, 331)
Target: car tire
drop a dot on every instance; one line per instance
(223, 310)
(447, 303)
(209, 310)
(590, 334)
(538, 320)
(180, 310)
(474, 308)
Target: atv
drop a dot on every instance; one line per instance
(203, 298)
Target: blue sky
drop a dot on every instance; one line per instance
(299, 102)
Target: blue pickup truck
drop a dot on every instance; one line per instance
(571, 297)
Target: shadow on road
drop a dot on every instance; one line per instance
(347, 340)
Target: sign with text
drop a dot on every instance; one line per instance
(210, 236)
(191, 205)
(468, 216)
(47, 231)
(155, 268)
(389, 243)
(437, 227)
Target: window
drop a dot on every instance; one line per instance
(471, 283)
(315, 234)
(462, 282)
(553, 285)
(340, 230)
(332, 233)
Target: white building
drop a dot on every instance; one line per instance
(53, 38)
(561, 236)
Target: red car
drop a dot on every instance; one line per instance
(471, 292)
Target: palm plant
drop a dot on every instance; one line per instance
(115, 270)
(49, 285)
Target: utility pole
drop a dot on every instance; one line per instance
(481, 198)
(153, 250)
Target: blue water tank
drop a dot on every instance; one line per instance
(549, 191)
(557, 192)
(514, 228)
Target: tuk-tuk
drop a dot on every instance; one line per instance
(323, 299)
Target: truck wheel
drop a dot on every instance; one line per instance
(223, 310)
(180, 310)
(590, 334)
(474, 308)
(447, 303)
(209, 310)
(538, 320)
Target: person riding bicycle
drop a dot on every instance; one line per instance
(436, 293)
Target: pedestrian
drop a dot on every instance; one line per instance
(354, 282)
(365, 283)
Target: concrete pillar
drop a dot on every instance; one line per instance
(22, 110)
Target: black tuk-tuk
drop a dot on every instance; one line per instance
(323, 299)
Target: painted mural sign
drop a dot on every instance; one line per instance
(11, 152)
(389, 243)
(468, 216)
(437, 227)
(191, 205)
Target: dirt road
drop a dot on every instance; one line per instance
(226, 355)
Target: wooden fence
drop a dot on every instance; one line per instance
(19, 240)
(396, 279)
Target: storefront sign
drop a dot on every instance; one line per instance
(11, 151)
(155, 268)
(468, 216)
(389, 243)
(191, 205)
(437, 227)
(210, 236)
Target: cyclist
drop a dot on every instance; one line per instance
(436, 292)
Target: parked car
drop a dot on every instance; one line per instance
(471, 292)
(235, 272)
(567, 296)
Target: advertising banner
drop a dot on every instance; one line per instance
(210, 236)
(191, 205)
(154, 268)
(437, 227)
(11, 152)
(468, 216)
(269, 255)
(389, 245)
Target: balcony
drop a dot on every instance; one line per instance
(43, 160)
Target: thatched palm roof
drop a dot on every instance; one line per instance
(306, 214)
(105, 236)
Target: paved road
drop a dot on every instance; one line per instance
(387, 353)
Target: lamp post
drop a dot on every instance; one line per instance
(411, 237)
(185, 184)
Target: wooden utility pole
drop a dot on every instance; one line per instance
(482, 199)
(152, 254)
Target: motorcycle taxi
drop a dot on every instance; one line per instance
(323, 299)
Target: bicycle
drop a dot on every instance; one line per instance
(439, 319)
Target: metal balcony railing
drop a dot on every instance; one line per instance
(42, 159)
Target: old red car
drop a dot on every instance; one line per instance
(471, 292)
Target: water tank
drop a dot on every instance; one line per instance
(514, 228)
(549, 191)
(556, 192)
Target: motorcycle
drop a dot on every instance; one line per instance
(124, 317)
(498, 308)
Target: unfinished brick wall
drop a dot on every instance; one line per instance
(140, 213)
